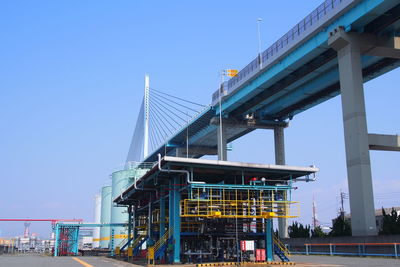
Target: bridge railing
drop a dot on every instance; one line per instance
(287, 41)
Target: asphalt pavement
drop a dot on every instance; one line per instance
(36, 260)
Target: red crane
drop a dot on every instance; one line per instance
(53, 221)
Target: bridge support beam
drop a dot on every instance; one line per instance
(222, 150)
(384, 142)
(279, 140)
(355, 133)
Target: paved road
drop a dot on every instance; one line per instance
(337, 261)
(34, 260)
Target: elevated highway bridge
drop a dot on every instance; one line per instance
(333, 50)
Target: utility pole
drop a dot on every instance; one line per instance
(314, 210)
(259, 40)
(342, 196)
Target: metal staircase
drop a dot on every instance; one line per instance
(280, 250)
(158, 250)
(138, 242)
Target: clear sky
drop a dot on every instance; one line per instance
(71, 82)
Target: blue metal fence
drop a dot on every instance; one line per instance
(348, 249)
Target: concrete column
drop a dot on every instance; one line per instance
(279, 140)
(221, 135)
(356, 135)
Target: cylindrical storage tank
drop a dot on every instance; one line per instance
(97, 219)
(105, 216)
(120, 182)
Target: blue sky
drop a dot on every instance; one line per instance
(72, 81)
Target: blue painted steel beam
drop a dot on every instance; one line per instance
(162, 213)
(269, 245)
(171, 213)
(75, 241)
(176, 221)
(57, 234)
(314, 86)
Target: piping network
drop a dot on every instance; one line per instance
(167, 114)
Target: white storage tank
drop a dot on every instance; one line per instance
(97, 219)
(105, 216)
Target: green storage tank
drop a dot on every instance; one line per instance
(120, 181)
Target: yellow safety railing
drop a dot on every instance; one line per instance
(137, 241)
(160, 242)
(250, 208)
(281, 246)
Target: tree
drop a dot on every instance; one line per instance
(391, 223)
(317, 232)
(298, 230)
(341, 227)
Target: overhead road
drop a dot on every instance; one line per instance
(298, 71)
(334, 50)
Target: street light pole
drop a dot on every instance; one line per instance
(259, 40)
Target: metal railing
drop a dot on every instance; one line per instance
(137, 241)
(300, 30)
(213, 208)
(160, 242)
(348, 249)
(281, 246)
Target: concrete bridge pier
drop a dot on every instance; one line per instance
(279, 140)
(221, 135)
(355, 132)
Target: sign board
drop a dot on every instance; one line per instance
(247, 245)
(231, 72)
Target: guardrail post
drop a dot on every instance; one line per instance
(306, 249)
(330, 250)
(395, 250)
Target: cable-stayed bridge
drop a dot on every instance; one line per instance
(333, 50)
